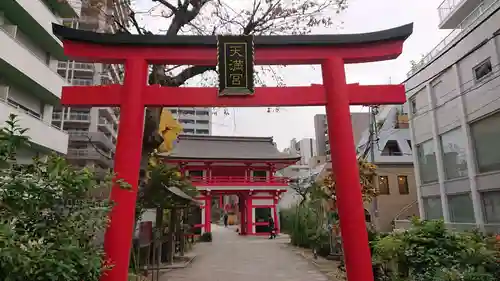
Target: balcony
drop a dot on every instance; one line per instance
(92, 154)
(108, 126)
(39, 132)
(72, 116)
(453, 12)
(100, 173)
(77, 66)
(240, 181)
(66, 9)
(472, 20)
(20, 65)
(98, 138)
(82, 82)
(109, 113)
(35, 19)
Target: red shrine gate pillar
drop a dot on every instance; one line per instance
(127, 166)
(275, 212)
(249, 213)
(345, 167)
(241, 208)
(243, 216)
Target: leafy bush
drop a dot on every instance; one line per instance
(302, 223)
(286, 218)
(48, 225)
(206, 237)
(428, 251)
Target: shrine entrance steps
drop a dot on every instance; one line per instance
(231, 257)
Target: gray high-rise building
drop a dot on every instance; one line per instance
(360, 121)
(320, 130)
(92, 131)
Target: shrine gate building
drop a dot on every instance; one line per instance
(242, 166)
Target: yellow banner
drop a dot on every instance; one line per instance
(169, 129)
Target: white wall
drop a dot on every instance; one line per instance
(148, 215)
(26, 62)
(39, 132)
(39, 11)
(458, 100)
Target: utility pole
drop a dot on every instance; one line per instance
(371, 141)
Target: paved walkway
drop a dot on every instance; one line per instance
(231, 257)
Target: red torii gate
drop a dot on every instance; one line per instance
(331, 51)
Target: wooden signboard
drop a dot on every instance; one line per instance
(145, 233)
(235, 63)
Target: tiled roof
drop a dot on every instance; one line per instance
(227, 147)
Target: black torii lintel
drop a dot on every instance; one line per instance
(394, 34)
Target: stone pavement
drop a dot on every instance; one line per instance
(231, 257)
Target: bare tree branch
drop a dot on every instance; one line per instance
(136, 24)
(122, 28)
(97, 148)
(167, 4)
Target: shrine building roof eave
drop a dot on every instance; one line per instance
(284, 160)
(321, 40)
(230, 148)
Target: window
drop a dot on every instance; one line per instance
(202, 113)
(427, 162)
(432, 208)
(186, 121)
(383, 185)
(413, 105)
(482, 70)
(460, 207)
(454, 158)
(391, 149)
(403, 185)
(195, 174)
(409, 144)
(202, 122)
(485, 134)
(186, 112)
(260, 175)
(188, 131)
(202, 131)
(491, 204)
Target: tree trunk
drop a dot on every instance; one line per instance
(181, 232)
(171, 234)
(158, 236)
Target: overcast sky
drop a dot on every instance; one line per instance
(361, 16)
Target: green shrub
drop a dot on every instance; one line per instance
(206, 237)
(48, 225)
(301, 222)
(286, 220)
(428, 251)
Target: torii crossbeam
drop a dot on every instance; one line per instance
(154, 96)
(331, 51)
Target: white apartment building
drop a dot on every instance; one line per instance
(29, 83)
(454, 97)
(306, 148)
(92, 131)
(194, 120)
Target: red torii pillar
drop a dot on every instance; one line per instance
(335, 94)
